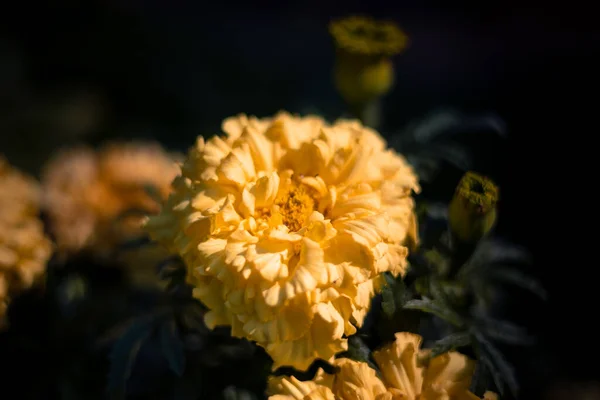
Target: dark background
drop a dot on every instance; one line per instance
(171, 71)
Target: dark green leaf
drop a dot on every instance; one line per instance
(494, 251)
(429, 306)
(501, 330)
(174, 262)
(450, 342)
(480, 382)
(438, 294)
(172, 346)
(422, 285)
(192, 317)
(124, 353)
(136, 243)
(179, 288)
(172, 271)
(500, 369)
(357, 349)
(452, 153)
(519, 279)
(233, 393)
(388, 303)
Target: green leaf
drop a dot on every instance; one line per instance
(388, 303)
(421, 285)
(359, 351)
(501, 370)
(192, 317)
(494, 251)
(393, 294)
(172, 267)
(480, 383)
(502, 331)
(136, 243)
(172, 346)
(450, 342)
(233, 393)
(123, 356)
(519, 279)
(430, 306)
(438, 293)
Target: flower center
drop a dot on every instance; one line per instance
(294, 206)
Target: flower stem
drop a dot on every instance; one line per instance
(370, 113)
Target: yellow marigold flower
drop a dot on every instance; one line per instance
(472, 211)
(24, 249)
(86, 191)
(285, 225)
(363, 68)
(447, 376)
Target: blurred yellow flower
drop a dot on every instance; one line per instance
(447, 376)
(285, 225)
(363, 68)
(86, 192)
(472, 211)
(24, 249)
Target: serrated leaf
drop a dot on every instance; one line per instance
(123, 356)
(451, 153)
(495, 251)
(519, 279)
(445, 123)
(192, 317)
(438, 293)
(357, 349)
(233, 393)
(502, 331)
(172, 346)
(501, 370)
(434, 125)
(430, 306)
(449, 343)
(480, 383)
(388, 303)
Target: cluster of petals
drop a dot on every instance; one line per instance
(404, 376)
(24, 248)
(286, 225)
(88, 193)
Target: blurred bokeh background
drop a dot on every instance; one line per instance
(73, 72)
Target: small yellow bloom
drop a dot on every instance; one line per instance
(285, 225)
(24, 249)
(363, 68)
(86, 191)
(447, 376)
(472, 211)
